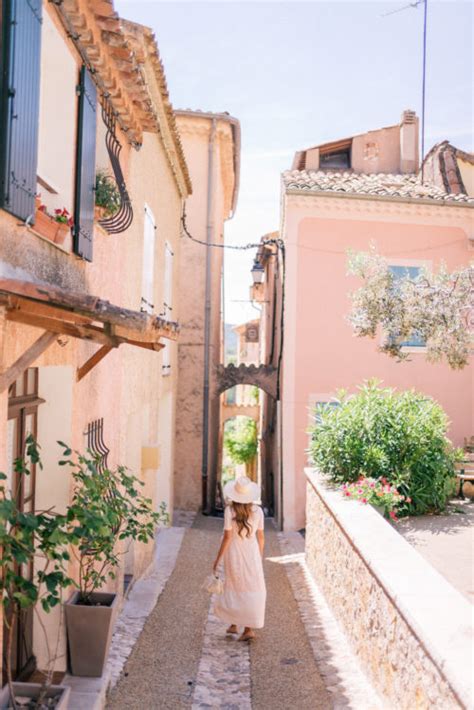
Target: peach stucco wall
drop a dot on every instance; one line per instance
(321, 353)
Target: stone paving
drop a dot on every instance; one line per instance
(224, 668)
(446, 542)
(142, 600)
(340, 669)
(223, 678)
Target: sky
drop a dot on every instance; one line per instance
(298, 74)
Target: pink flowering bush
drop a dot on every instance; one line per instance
(377, 492)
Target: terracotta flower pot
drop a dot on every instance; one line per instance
(99, 213)
(45, 225)
(61, 232)
(31, 690)
(89, 632)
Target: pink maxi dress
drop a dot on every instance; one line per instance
(243, 600)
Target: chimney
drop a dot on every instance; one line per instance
(409, 159)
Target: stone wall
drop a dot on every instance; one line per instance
(411, 630)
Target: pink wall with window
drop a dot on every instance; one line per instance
(321, 353)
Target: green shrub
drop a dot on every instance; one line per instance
(240, 440)
(380, 432)
(107, 194)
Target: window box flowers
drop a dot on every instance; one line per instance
(378, 493)
(54, 227)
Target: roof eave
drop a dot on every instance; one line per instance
(378, 198)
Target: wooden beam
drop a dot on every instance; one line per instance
(84, 332)
(12, 373)
(92, 361)
(43, 309)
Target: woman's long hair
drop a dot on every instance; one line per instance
(242, 513)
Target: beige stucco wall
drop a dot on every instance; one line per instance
(196, 134)
(127, 389)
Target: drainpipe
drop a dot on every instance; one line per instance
(207, 321)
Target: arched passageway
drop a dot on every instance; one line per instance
(246, 400)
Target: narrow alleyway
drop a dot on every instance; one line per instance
(184, 660)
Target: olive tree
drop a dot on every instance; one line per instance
(436, 306)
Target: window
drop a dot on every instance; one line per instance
(320, 407)
(167, 303)
(148, 271)
(337, 160)
(19, 105)
(410, 272)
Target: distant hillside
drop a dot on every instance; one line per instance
(230, 342)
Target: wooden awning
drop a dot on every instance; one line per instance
(60, 312)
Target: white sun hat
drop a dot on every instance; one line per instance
(242, 490)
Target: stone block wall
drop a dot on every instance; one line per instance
(395, 609)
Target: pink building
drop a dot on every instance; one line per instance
(347, 195)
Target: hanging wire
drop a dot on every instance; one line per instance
(423, 92)
(280, 245)
(414, 5)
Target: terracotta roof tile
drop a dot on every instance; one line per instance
(379, 184)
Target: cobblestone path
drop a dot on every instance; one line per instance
(183, 659)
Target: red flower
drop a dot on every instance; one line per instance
(58, 211)
(364, 500)
(392, 515)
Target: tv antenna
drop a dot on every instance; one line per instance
(414, 5)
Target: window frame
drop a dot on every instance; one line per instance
(407, 264)
(148, 261)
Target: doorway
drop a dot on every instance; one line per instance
(23, 403)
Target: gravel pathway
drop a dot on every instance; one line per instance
(283, 668)
(161, 671)
(183, 659)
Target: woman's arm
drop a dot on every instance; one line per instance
(227, 537)
(261, 540)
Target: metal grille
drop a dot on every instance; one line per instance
(95, 442)
(123, 218)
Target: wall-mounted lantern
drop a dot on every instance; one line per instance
(257, 273)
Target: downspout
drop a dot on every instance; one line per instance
(207, 321)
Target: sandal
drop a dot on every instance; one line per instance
(247, 636)
(232, 629)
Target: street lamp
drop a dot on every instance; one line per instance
(257, 273)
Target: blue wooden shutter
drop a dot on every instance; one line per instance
(85, 167)
(21, 38)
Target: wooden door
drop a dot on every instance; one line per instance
(23, 402)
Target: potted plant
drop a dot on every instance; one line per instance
(36, 538)
(107, 508)
(54, 227)
(107, 195)
(378, 493)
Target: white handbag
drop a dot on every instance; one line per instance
(213, 584)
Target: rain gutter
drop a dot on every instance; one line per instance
(207, 319)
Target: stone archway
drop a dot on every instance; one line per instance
(265, 377)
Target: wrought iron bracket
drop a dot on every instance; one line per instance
(123, 218)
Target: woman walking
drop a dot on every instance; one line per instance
(243, 600)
